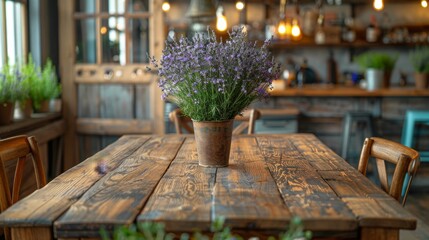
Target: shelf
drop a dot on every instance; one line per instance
(325, 90)
(284, 44)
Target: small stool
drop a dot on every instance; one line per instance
(364, 124)
(412, 118)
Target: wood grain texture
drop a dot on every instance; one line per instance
(43, 207)
(243, 183)
(386, 213)
(103, 126)
(304, 191)
(139, 172)
(379, 233)
(32, 233)
(182, 199)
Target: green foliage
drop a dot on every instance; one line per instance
(30, 73)
(420, 59)
(10, 85)
(45, 86)
(156, 231)
(376, 60)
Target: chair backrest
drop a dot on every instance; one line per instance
(19, 149)
(247, 121)
(22, 149)
(405, 159)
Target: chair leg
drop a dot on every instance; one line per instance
(346, 136)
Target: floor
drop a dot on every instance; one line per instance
(418, 204)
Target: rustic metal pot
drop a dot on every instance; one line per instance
(422, 80)
(6, 112)
(213, 141)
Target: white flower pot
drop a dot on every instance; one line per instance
(374, 79)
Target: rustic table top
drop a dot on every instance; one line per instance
(157, 178)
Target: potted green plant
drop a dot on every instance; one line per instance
(10, 91)
(378, 67)
(45, 88)
(29, 75)
(419, 58)
(213, 81)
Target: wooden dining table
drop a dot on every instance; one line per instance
(270, 179)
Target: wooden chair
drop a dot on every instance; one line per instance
(22, 149)
(247, 121)
(407, 160)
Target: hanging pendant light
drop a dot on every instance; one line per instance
(165, 6)
(239, 5)
(424, 4)
(221, 22)
(378, 5)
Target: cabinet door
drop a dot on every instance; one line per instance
(108, 91)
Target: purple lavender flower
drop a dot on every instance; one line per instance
(215, 80)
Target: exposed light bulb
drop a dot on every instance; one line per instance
(221, 23)
(103, 30)
(378, 5)
(281, 29)
(165, 6)
(424, 3)
(239, 5)
(296, 30)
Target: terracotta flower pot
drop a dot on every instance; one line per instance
(6, 112)
(213, 141)
(421, 80)
(23, 109)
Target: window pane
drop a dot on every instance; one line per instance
(113, 6)
(139, 48)
(138, 5)
(15, 32)
(2, 38)
(85, 6)
(86, 41)
(113, 40)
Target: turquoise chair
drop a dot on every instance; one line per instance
(413, 117)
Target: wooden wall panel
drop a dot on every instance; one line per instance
(142, 102)
(88, 107)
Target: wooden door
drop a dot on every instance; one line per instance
(107, 89)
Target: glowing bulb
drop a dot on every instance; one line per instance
(378, 5)
(103, 30)
(296, 31)
(221, 23)
(165, 6)
(239, 5)
(281, 28)
(424, 3)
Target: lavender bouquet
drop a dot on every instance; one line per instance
(215, 81)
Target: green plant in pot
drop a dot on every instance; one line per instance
(378, 67)
(419, 58)
(212, 82)
(45, 88)
(30, 74)
(10, 92)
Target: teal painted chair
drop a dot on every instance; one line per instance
(412, 118)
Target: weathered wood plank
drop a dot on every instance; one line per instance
(31, 233)
(243, 183)
(100, 126)
(387, 213)
(304, 191)
(182, 199)
(139, 172)
(41, 208)
(48, 132)
(379, 233)
(352, 184)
